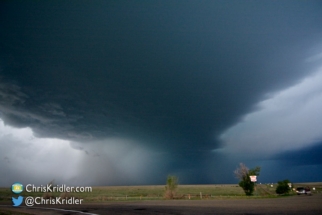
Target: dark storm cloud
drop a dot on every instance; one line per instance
(172, 75)
(297, 165)
(305, 156)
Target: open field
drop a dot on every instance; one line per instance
(108, 193)
(216, 199)
(156, 192)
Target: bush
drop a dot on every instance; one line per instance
(243, 173)
(171, 187)
(283, 187)
(247, 186)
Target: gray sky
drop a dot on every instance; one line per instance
(127, 92)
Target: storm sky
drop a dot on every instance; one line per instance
(127, 92)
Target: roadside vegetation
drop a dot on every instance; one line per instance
(156, 192)
(283, 187)
(243, 174)
(171, 187)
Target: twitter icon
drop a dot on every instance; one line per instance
(17, 201)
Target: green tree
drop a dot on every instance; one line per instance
(171, 186)
(283, 187)
(243, 173)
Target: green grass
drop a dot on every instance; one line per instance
(128, 193)
(210, 190)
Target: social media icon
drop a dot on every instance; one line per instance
(17, 201)
(17, 188)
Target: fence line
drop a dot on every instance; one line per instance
(199, 195)
(184, 196)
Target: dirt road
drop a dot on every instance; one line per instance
(289, 205)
